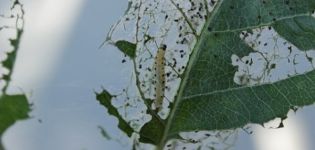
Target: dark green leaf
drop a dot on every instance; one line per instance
(300, 31)
(105, 99)
(252, 13)
(152, 132)
(235, 107)
(9, 62)
(12, 108)
(208, 98)
(127, 48)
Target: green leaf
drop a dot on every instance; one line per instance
(12, 108)
(208, 98)
(15, 43)
(232, 15)
(127, 48)
(152, 131)
(299, 30)
(105, 99)
(9, 62)
(235, 107)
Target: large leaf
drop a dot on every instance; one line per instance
(208, 98)
(12, 108)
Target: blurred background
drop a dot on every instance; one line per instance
(60, 65)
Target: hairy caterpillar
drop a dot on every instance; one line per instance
(160, 75)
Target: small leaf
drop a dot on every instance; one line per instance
(12, 108)
(105, 99)
(127, 48)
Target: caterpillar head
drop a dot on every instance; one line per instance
(163, 46)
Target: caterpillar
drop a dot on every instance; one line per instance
(160, 76)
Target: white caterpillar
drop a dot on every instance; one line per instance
(160, 75)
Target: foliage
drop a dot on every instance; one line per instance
(105, 99)
(214, 60)
(12, 107)
(127, 48)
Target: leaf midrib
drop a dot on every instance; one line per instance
(191, 62)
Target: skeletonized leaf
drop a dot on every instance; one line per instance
(208, 97)
(105, 99)
(9, 62)
(12, 107)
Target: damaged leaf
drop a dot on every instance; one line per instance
(12, 108)
(127, 48)
(208, 97)
(105, 100)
